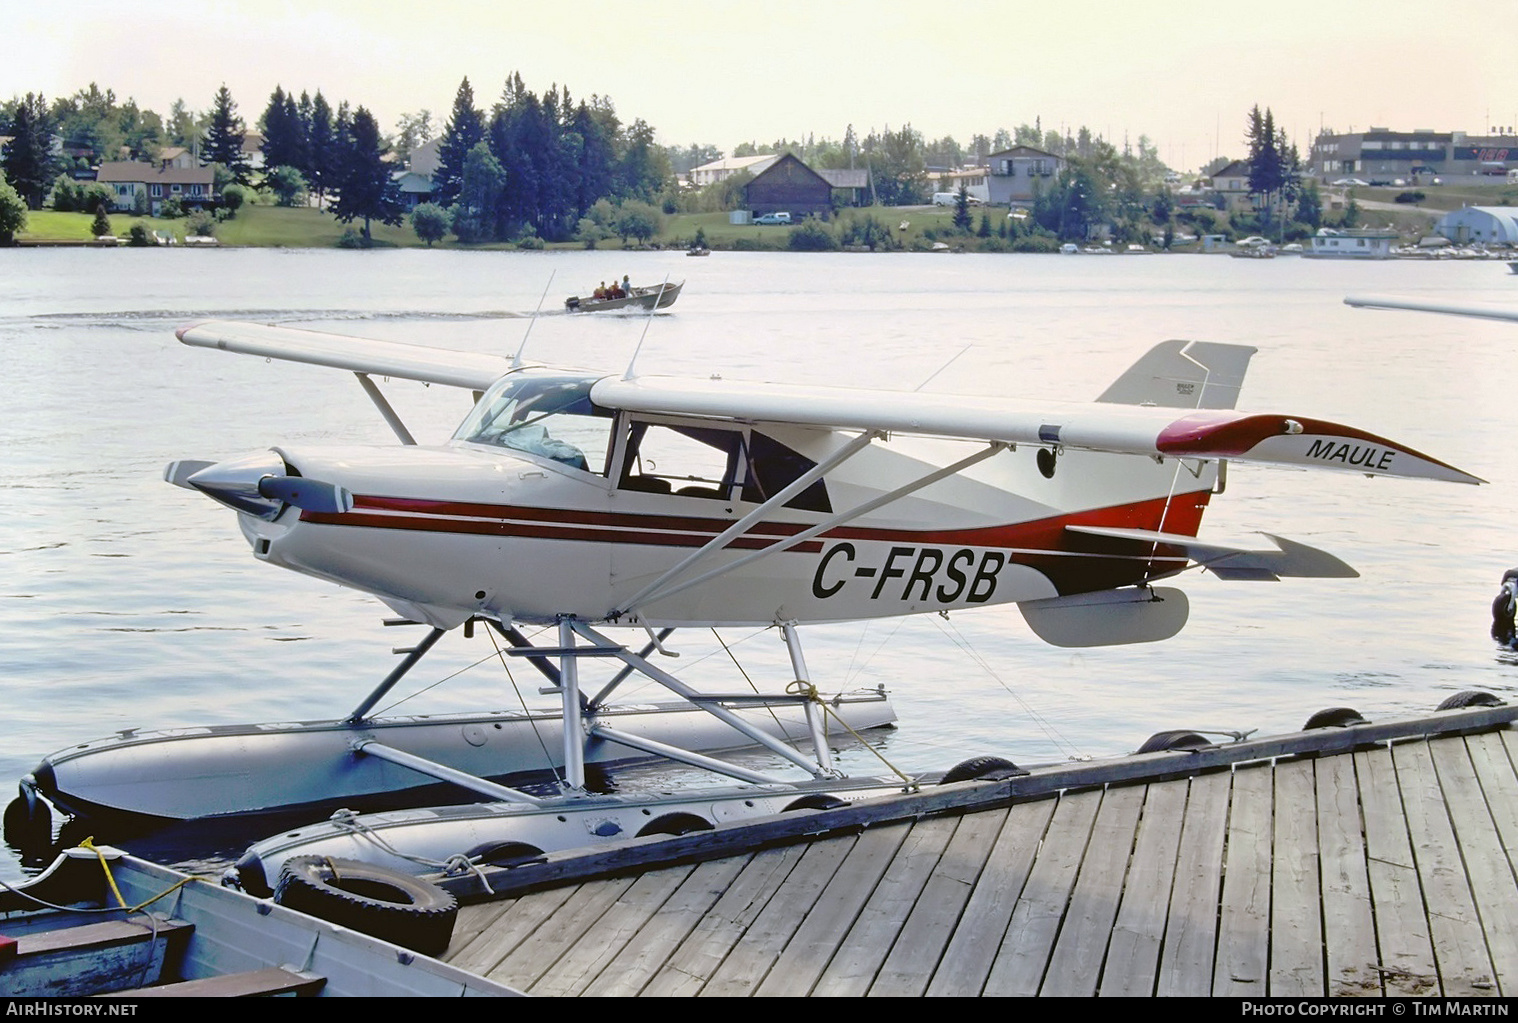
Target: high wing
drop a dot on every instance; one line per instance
(1195, 420)
(1447, 308)
(1155, 432)
(360, 355)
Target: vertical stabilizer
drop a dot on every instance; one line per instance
(1184, 374)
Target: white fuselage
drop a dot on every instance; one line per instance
(443, 533)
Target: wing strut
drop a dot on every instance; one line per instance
(738, 528)
(385, 408)
(647, 597)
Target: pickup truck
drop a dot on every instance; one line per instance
(773, 218)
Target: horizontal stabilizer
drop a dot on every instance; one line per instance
(1108, 618)
(361, 355)
(1288, 559)
(1484, 312)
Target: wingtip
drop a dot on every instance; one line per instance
(182, 331)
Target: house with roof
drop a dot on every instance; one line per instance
(1231, 185)
(789, 186)
(157, 183)
(717, 170)
(952, 179)
(1017, 176)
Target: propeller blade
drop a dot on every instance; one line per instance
(179, 473)
(309, 495)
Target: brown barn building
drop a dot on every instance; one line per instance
(790, 186)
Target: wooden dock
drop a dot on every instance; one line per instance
(1372, 860)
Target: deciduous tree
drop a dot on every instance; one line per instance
(430, 222)
(12, 212)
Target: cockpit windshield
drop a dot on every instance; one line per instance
(545, 414)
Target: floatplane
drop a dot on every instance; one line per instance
(597, 505)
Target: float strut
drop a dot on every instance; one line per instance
(416, 654)
(814, 712)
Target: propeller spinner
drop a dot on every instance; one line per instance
(260, 485)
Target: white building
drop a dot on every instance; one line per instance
(1352, 243)
(710, 173)
(1486, 225)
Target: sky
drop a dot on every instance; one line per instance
(1184, 73)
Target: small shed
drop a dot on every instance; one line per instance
(789, 186)
(851, 186)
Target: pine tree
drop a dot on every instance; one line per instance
(282, 132)
(27, 160)
(321, 148)
(224, 138)
(465, 128)
(962, 209)
(366, 190)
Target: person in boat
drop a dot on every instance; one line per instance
(601, 291)
(626, 285)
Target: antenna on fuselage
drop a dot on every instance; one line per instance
(633, 361)
(516, 360)
(945, 366)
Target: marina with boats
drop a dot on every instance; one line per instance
(802, 805)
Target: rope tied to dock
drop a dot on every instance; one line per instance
(801, 687)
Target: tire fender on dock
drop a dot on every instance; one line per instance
(381, 903)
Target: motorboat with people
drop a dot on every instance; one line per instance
(624, 295)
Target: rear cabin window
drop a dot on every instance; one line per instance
(693, 461)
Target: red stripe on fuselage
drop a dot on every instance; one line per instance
(1032, 543)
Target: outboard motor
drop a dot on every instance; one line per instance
(1504, 629)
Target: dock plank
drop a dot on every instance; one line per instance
(818, 941)
(531, 960)
(1296, 900)
(966, 963)
(619, 924)
(506, 932)
(749, 961)
(698, 957)
(1465, 968)
(1133, 954)
(914, 958)
(1491, 881)
(1406, 962)
(877, 929)
(1349, 926)
(1242, 965)
(1191, 926)
(1024, 953)
(636, 964)
(1493, 759)
(1075, 968)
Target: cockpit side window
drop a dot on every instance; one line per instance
(548, 415)
(687, 461)
(772, 467)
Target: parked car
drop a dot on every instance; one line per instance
(1352, 182)
(773, 218)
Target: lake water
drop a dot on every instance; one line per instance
(126, 602)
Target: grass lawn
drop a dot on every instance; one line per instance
(298, 228)
(46, 225)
